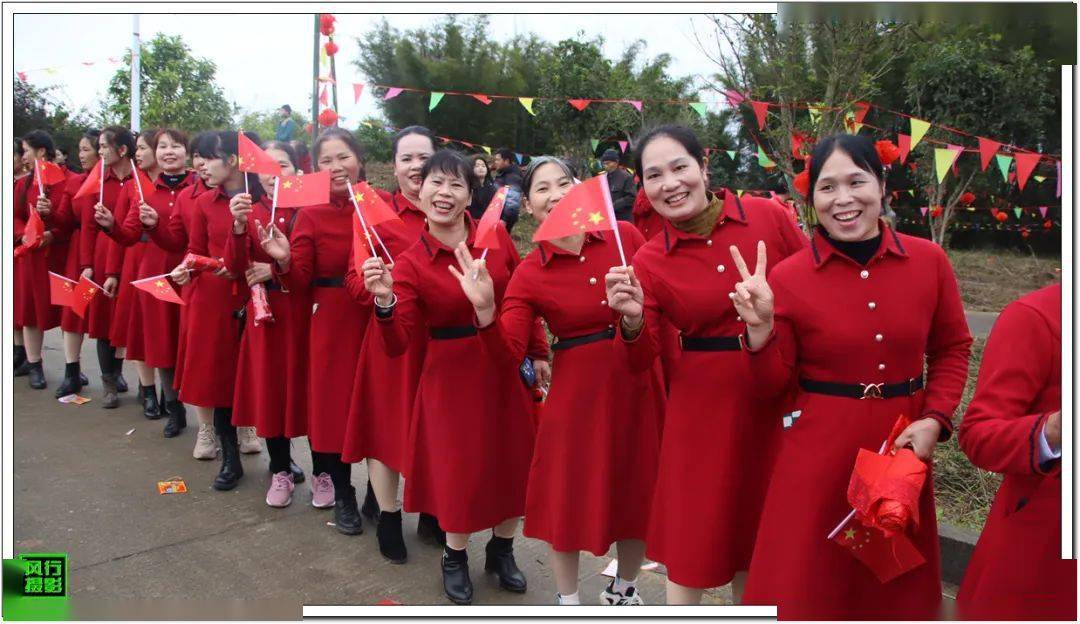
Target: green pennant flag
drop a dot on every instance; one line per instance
(911, 192)
(918, 130)
(699, 108)
(1040, 178)
(1003, 163)
(943, 159)
(595, 143)
(730, 154)
(1018, 211)
(763, 159)
(436, 97)
(815, 112)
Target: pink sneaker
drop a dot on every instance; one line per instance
(322, 491)
(281, 488)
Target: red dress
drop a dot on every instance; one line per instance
(598, 440)
(646, 219)
(471, 437)
(1017, 572)
(157, 331)
(839, 322)
(718, 443)
(69, 321)
(94, 247)
(123, 263)
(321, 244)
(384, 387)
(31, 272)
(271, 372)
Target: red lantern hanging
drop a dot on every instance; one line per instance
(1024, 233)
(328, 117)
(967, 198)
(935, 212)
(326, 24)
(331, 48)
(887, 152)
(1048, 224)
(1002, 217)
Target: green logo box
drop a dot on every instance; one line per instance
(35, 587)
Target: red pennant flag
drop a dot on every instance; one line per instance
(1025, 164)
(487, 235)
(374, 209)
(158, 287)
(903, 141)
(61, 290)
(861, 108)
(761, 111)
(324, 96)
(34, 230)
(22, 76)
(586, 208)
(92, 184)
(887, 558)
(51, 173)
(481, 98)
(84, 292)
(357, 89)
(254, 159)
(312, 189)
(578, 104)
(987, 150)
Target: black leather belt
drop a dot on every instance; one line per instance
(864, 391)
(328, 282)
(577, 341)
(451, 333)
(272, 285)
(710, 343)
(145, 237)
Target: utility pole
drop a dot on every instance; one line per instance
(136, 94)
(315, 84)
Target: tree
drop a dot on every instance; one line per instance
(177, 89)
(35, 109)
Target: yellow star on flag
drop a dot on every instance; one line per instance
(241, 161)
(596, 218)
(360, 197)
(160, 284)
(849, 534)
(287, 184)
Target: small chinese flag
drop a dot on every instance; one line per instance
(61, 290)
(887, 558)
(159, 287)
(51, 173)
(92, 184)
(253, 159)
(374, 209)
(35, 228)
(84, 292)
(586, 208)
(361, 249)
(487, 232)
(144, 185)
(306, 190)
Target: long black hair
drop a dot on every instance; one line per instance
(38, 139)
(227, 143)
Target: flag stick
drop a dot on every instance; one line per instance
(151, 278)
(363, 222)
(273, 204)
(101, 188)
(611, 217)
(385, 250)
(138, 185)
(483, 256)
(37, 174)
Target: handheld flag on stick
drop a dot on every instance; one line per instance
(487, 233)
(252, 159)
(373, 211)
(159, 287)
(273, 203)
(48, 173)
(90, 184)
(61, 290)
(306, 190)
(84, 292)
(586, 208)
(35, 229)
(142, 182)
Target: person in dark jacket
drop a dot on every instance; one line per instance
(507, 174)
(287, 127)
(485, 187)
(621, 183)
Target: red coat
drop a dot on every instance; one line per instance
(122, 263)
(646, 219)
(33, 306)
(711, 481)
(321, 245)
(271, 372)
(1017, 572)
(94, 247)
(384, 387)
(839, 322)
(598, 440)
(471, 438)
(69, 321)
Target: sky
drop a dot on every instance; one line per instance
(279, 72)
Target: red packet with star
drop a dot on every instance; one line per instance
(196, 262)
(261, 304)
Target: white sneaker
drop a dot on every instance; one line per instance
(249, 440)
(611, 597)
(206, 444)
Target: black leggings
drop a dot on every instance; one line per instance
(280, 455)
(340, 472)
(106, 357)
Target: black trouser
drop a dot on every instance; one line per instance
(340, 472)
(280, 454)
(223, 423)
(106, 356)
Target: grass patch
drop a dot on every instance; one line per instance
(990, 280)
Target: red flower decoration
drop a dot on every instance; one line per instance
(326, 24)
(1002, 216)
(1048, 224)
(328, 117)
(331, 48)
(935, 212)
(887, 152)
(1024, 233)
(308, 128)
(802, 180)
(967, 198)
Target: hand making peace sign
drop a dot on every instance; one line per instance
(753, 298)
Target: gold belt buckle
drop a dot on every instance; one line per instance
(871, 391)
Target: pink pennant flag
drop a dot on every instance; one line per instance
(956, 150)
(1042, 211)
(622, 146)
(1059, 179)
(392, 92)
(88, 63)
(114, 60)
(480, 97)
(734, 98)
(22, 76)
(923, 210)
(357, 89)
(324, 96)
(635, 103)
(903, 141)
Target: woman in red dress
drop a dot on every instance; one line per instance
(857, 317)
(471, 437)
(384, 387)
(598, 441)
(19, 360)
(315, 261)
(153, 337)
(711, 480)
(73, 325)
(35, 313)
(1013, 426)
(271, 373)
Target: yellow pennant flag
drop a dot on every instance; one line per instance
(739, 192)
(527, 103)
(943, 159)
(486, 149)
(323, 59)
(815, 112)
(918, 130)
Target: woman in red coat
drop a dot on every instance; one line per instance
(712, 479)
(471, 437)
(35, 313)
(857, 317)
(646, 219)
(315, 261)
(271, 372)
(598, 441)
(384, 387)
(19, 360)
(1013, 426)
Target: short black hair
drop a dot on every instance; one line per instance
(685, 137)
(344, 136)
(450, 162)
(119, 136)
(505, 153)
(286, 108)
(404, 132)
(173, 133)
(860, 149)
(227, 143)
(38, 139)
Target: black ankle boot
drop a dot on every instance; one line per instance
(296, 471)
(346, 515)
(391, 541)
(19, 361)
(71, 384)
(370, 509)
(121, 384)
(429, 532)
(37, 376)
(83, 380)
(500, 560)
(177, 418)
(109, 400)
(455, 576)
(231, 468)
(150, 405)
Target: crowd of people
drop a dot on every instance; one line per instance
(701, 405)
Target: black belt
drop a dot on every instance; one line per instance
(328, 282)
(710, 343)
(145, 237)
(864, 391)
(577, 341)
(272, 285)
(451, 333)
